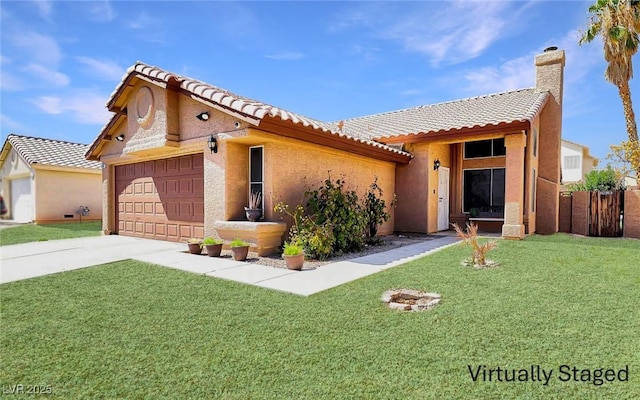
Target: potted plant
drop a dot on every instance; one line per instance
(195, 246)
(240, 249)
(254, 211)
(293, 255)
(213, 246)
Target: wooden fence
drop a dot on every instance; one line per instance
(593, 213)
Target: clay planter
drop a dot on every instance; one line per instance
(240, 253)
(294, 262)
(213, 250)
(195, 248)
(253, 214)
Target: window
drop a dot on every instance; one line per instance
(485, 148)
(256, 172)
(483, 189)
(535, 142)
(572, 162)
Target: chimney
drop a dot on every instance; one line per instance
(549, 78)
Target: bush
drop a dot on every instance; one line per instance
(335, 221)
(600, 180)
(340, 210)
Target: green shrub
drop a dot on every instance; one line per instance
(335, 221)
(338, 208)
(601, 180)
(316, 240)
(375, 209)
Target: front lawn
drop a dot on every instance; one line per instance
(38, 233)
(135, 330)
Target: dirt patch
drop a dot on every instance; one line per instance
(410, 299)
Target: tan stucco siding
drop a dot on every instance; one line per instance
(60, 193)
(412, 190)
(291, 166)
(193, 128)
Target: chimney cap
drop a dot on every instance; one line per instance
(550, 48)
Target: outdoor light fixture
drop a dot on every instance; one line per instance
(213, 144)
(436, 164)
(120, 137)
(203, 116)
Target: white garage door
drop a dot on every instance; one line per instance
(21, 200)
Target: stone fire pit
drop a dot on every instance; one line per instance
(410, 300)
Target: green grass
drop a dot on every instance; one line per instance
(134, 330)
(39, 233)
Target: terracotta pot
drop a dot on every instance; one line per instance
(195, 248)
(294, 262)
(213, 250)
(253, 214)
(240, 253)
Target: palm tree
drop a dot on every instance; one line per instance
(617, 22)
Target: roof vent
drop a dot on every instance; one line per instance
(551, 48)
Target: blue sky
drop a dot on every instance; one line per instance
(60, 60)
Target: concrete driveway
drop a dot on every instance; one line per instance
(29, 260)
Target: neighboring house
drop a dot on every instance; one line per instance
(576, 161)
(495, 156)
(46, 180)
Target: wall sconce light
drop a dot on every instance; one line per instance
(213, 144)
(120, 137)
(436, 164)
(203, 116)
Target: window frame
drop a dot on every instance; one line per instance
(490, 189)
(251, 182)
(464, 149)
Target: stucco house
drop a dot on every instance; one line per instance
(576, 161)
(45, 180)
(181, 157)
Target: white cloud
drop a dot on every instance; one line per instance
(10, 124)
(10, 82)
(38, 49)
(513, 74)
(105, 69)
(286, 55)
(454, 33)
(45, 8)
(101, 11)
(143, 21)
(84, 106)
(47, 76)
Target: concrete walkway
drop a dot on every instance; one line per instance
(23, 261)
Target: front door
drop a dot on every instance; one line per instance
(443, 198)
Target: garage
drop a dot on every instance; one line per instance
(161, 199)
(21, 200)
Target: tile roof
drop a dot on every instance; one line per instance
(475, 112)
(252, 110)
(51, 152)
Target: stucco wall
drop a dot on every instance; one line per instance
(571, 174)
(61, 192)
(412, 189)
(631, 223)
(291, 166)
(13, 167)
(580, 213)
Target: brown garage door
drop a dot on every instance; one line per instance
(161, 199)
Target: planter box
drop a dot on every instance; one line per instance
(264, 238)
